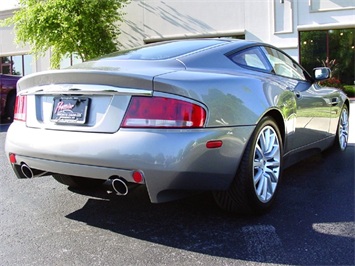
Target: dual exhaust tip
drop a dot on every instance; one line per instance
(112, 185)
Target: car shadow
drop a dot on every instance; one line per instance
(315, 196)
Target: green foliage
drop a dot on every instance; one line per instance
(331, 82)
(85, 28)
(349, 90)
(312, 48)
(335, 83)
(332, 48)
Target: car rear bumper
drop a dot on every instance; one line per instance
(170, 160)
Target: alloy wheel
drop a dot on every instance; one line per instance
(343, 132)
(266, 164)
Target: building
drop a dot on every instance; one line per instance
(288, 24)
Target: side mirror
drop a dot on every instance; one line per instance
(321, 73)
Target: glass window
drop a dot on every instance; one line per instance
(283, 65)
(5, 69)
(252, 58)
(27, 64)
(17, 65)
(5, 65)
(319, 5)
(331, 48)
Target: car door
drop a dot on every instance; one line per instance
(312, 118)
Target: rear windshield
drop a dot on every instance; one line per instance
(164, 50)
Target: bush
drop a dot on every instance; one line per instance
(349, 90)
(335, 83)
(332, 82)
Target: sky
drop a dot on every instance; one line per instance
(7, 4)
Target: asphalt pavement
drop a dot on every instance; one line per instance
(312, 223)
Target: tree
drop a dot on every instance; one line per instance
(84, 28)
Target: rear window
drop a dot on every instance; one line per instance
(166, 50)
(251, 58)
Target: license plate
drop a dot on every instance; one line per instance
(70, 110)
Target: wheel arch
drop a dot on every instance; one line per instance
(277, 116)
(347, 103)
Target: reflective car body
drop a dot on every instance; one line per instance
(120, 116)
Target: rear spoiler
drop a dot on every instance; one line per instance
(94, 77)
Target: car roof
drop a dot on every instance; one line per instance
(172, 49)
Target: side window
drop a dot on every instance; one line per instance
(16, 65)
(252, 58)
(284, 65)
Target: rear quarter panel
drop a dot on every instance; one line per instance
(231, 100)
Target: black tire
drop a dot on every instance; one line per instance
(260, 160)
(77, 181)
(342, 135)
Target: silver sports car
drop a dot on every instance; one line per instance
(221, 115)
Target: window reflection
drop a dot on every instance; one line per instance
(284, 65)
(5, 65)
(332, 48)
(16, 65)
(27, 64)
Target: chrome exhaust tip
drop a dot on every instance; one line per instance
(117, 186)
(28, 172)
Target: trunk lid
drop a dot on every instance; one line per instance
(90, 97)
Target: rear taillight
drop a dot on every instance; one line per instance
(20, 108)
(163, 112)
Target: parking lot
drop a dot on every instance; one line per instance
(43, 223)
